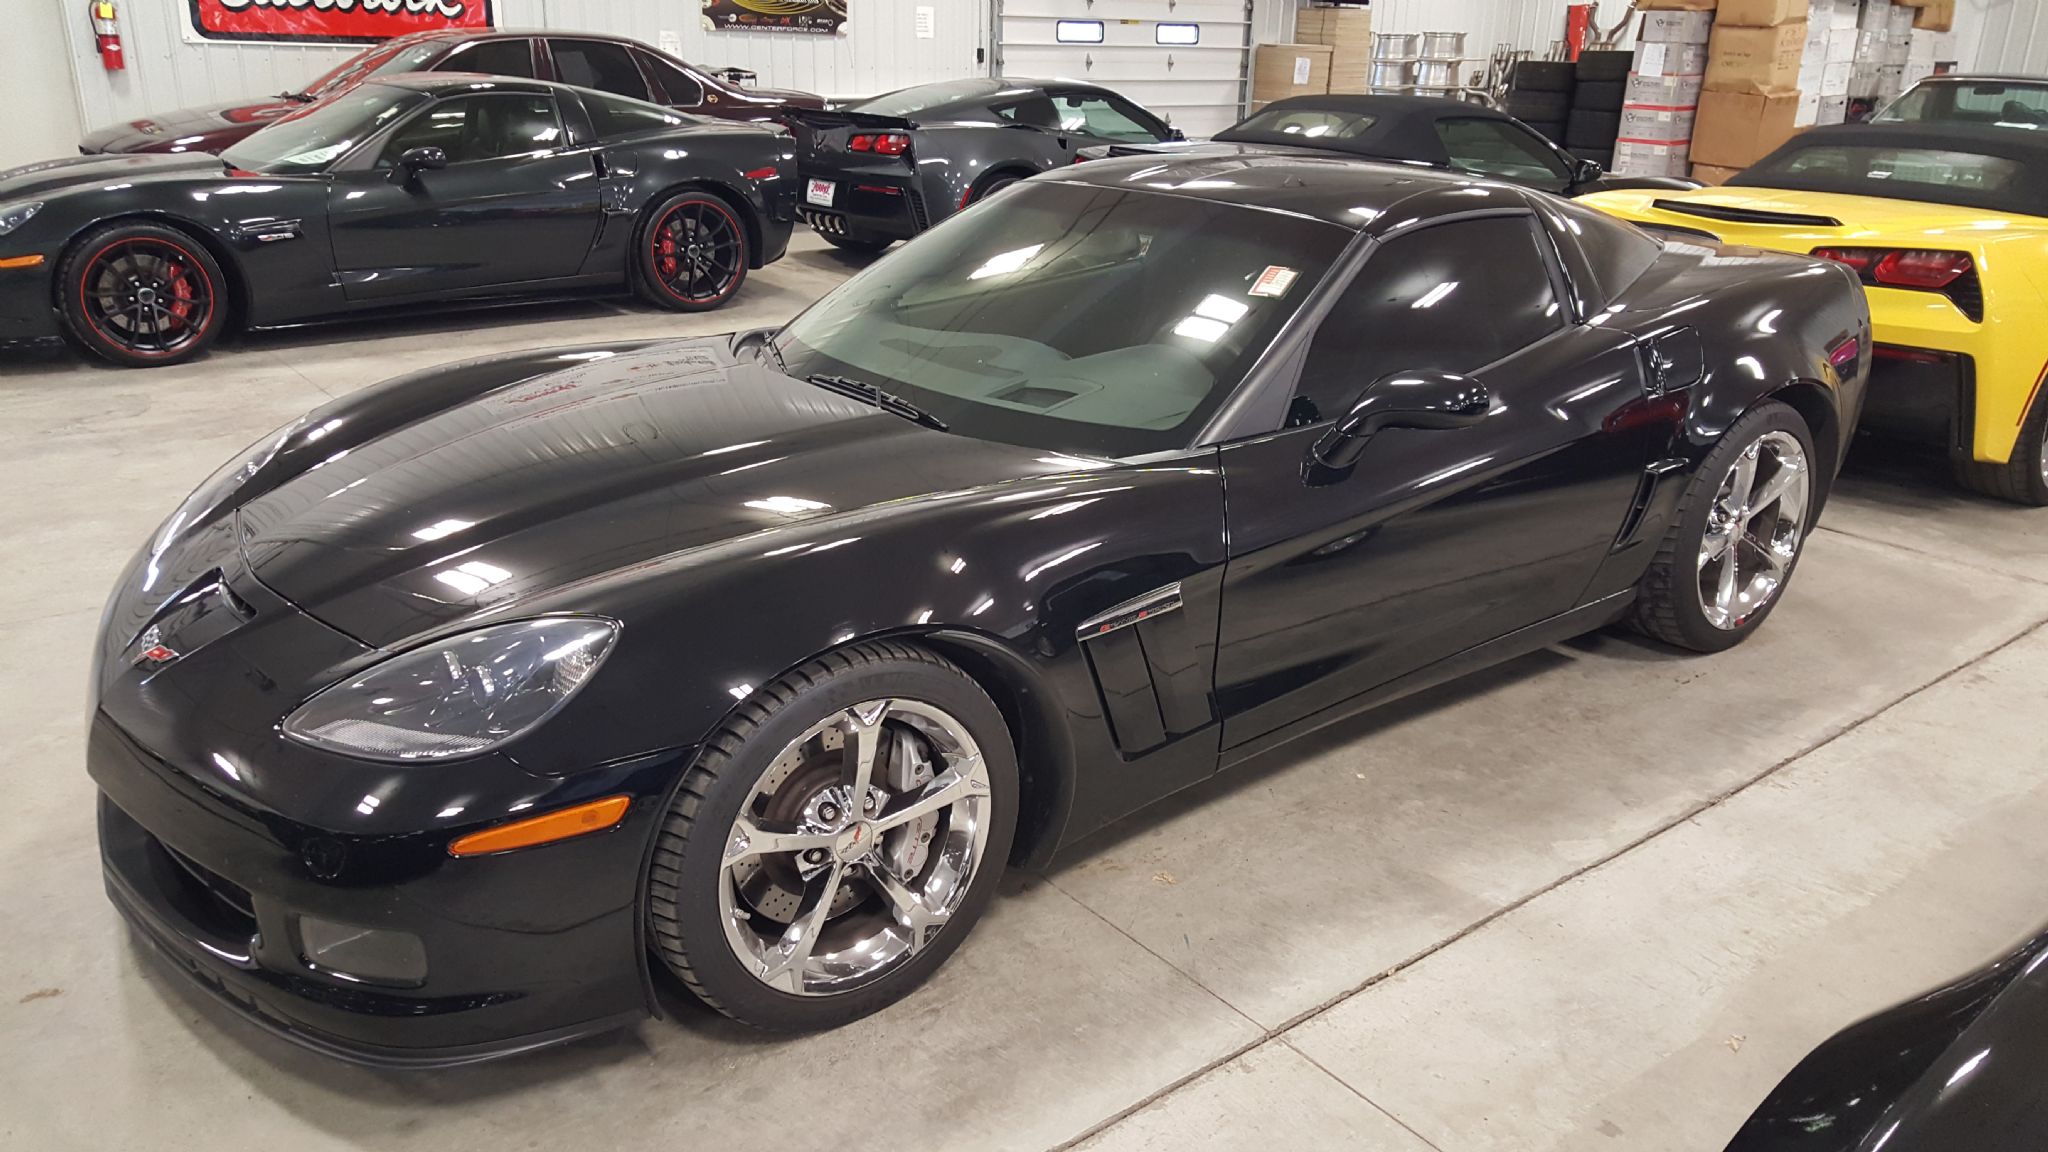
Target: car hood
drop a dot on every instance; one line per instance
(567, 476)
(75, 173)
(208, 128)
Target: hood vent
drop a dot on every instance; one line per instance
(1745, 215)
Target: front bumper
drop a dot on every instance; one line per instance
(27, 314)
(523, 949)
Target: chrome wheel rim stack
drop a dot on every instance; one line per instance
(1754, 529)
(855, 847)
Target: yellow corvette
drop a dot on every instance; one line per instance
(1947, 225)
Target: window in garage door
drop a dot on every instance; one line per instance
(1198, 88)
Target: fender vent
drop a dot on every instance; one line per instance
(1736, 215)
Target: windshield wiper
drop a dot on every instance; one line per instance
(296, 97)
(886, 401)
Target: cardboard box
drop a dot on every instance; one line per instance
(1745, 59)
(1809, 110)
(1833, 110)
(1711, 174)
(1841, 14)
(1875, 16)
(1663, 59)
(1643, 124)
(1675, 28)
(1760, 13)
(1899, 22)
(1676, 5)
(1834, 77)
(1348, 32)
(1283, 70)
(1841, 45)
(1916, 71)
(1891, 81)
(1663, 91)
(1736, 129)
(1937, 17)
(1641, 158)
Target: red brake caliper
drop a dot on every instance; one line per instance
(181, 294)
(665, 254)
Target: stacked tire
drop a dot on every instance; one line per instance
(1599, 82)
(1540, 95)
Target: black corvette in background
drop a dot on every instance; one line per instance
(1958, 1069)
(404, 192)
(1426, 130)
(885, 169)
(435, 724)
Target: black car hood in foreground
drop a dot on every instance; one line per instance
(1956, 1070)
(618, 458)
(76, 173)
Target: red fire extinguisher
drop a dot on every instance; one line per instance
(106, 35)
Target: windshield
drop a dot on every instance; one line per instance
(309, 141)
(1306, 123)
(910, 101)
(2000, 103)
(376, 62)
(1072, 318)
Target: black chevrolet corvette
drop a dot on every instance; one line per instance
(407, 191)
(426, 729)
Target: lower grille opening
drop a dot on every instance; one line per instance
(211, 901)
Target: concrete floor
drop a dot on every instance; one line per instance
(1602, 897)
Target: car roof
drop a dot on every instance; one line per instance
(435, 83)
(1403, 127)
(1983, 78)
(2023, 194)
(1352, 194)
(1941, 135)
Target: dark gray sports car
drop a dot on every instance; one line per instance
(886, 169)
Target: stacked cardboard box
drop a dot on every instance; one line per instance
(1283, 70)
(1348, 32)
(1663, 93)
(1884, 33)
(1828, 63)
(1751, 93)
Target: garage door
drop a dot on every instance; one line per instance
(1184, 59)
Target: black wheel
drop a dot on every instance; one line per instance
(1603, 66)
(1737, 536)
(2023, 478)
(1533, 107)
(1592, 129)
(836, 839)
(991, 184)
(142, 294)
(692, 256)
(867, 245)
(1543, 76)
(1599, 95)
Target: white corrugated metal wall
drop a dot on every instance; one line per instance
(2003, 35)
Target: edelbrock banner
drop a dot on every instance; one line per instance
(825, 17)
(329, 21)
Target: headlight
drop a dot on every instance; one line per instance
(14, 215)
(460, 696)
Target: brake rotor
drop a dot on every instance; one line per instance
(801, 789)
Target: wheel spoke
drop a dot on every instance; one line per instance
(919, 919)
(864, 725)
(1776, 487)
(1724, 593)
(1743, 480)
(1715, 545)
(948, 788)
(749, 840)
(783, 966)
(1772, 560)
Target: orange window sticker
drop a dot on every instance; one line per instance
(1274, 281)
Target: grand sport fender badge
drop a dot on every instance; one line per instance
(1154, 603)
(151, 651)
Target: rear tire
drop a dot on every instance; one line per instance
(142, 295)
(2023, 478)
(725, 910)
(1720, 505)
(692, 253)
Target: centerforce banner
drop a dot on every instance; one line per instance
(825, 17)
(329, 21)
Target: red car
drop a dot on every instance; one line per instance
(588, 60)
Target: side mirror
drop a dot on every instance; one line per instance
(1427, 399)
(1175, 135)
(416, 160)
(1586, 171)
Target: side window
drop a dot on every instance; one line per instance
(1104, 118)
(1454, 298)
(491, 57)
(1503, 150)
(611, 116)
(598, 64)
(484, 126)
(682, 88)
(1036, 111)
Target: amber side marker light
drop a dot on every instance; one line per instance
(561, 824)
(21, 262)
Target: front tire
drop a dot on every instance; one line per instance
(692, 256)
(142, 295)
(1737, 536)
(2023, 478)
(836, 839)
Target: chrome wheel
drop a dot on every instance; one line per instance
(855, 847)
(1754, 529)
